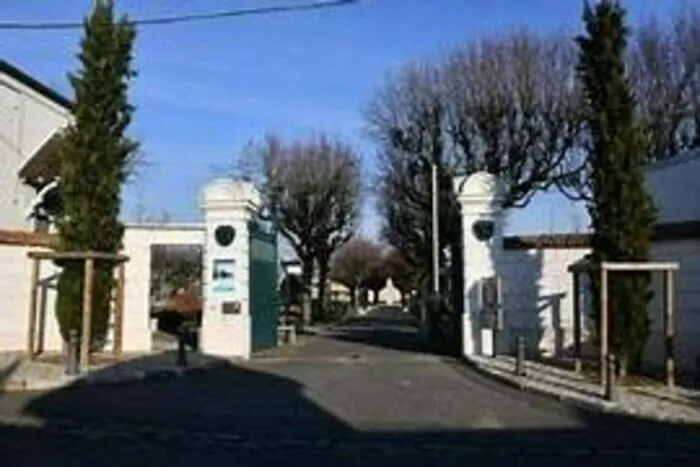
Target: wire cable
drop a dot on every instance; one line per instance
(185, 18)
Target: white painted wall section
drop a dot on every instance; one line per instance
(26, 119)
(15, 280)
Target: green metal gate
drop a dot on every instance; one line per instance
(262, 285)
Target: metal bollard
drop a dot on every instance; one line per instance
(520, 356)
(612, 388)
(181, 349)
(72, 354)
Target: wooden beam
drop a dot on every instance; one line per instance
(30, 239)
(41, 318)
(119, 311)
(669, 330)
(650, 266)
(603, 325)
(82, 255)
(586, 266)
(87, 313)
(31, 328)
(577, 322)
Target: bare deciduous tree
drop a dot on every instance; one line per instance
(664, 69)
(351, 265)
(508, 105)
(514, 110)
(407, 120)
(312, 190)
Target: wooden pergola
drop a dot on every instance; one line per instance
(89, 259)
(605, 268)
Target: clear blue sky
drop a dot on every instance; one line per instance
(205, 89)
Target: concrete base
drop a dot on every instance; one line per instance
(487, 345)
(226, 336)
(467, 336)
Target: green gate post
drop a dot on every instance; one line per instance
(263, 282)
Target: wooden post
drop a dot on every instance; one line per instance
(603, 324)
(669, 328)
(41, 318)
(119, 311)
(577, 322)
(31, 329)
(87, 313)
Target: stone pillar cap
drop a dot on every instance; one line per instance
(482, 187)
(229, 193)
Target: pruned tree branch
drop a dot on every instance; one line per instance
(514, 110)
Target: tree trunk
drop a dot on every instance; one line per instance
(353, 298)
(622, 369)
(322, 278)
(306, 276)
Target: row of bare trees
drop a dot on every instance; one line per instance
(511, 105)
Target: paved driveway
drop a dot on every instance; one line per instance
(364, 393)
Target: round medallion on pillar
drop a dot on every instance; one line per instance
(483, 229)
(224, 235)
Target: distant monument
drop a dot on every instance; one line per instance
(390, 294)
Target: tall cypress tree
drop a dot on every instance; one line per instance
(622, 211)
(96, 156)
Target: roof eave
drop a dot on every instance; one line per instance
(37, 86)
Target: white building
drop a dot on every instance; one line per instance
(32, 117)
(537, 291)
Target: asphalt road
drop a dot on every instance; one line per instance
(364, 393)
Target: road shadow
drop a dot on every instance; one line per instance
(387, 327)
(383, 315)
(235, 413)
(214, 394)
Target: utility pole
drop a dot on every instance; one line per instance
(436, 232)
(436, 250)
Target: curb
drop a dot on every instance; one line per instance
(95, 379)
(601, 406)
(522, 384)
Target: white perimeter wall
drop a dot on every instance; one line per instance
(538, 299)
(138, 240)
(15, 280)
(537, 288)
(15, 272)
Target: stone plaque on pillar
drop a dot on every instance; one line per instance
(490, 302)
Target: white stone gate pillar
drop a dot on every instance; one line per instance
(480, 197)
(228, 207)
